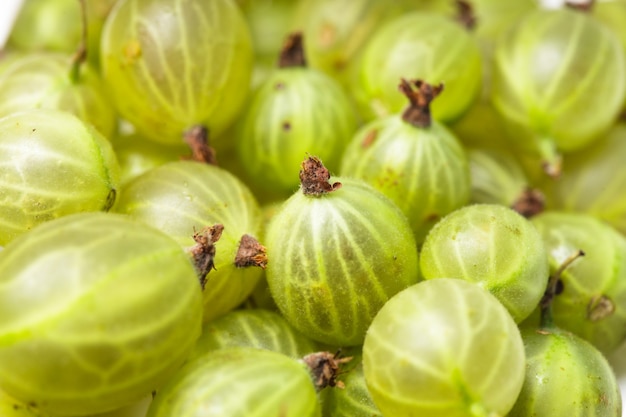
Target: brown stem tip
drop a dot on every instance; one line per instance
(465, 14)
(203, 252)
(292, 54)
(314, 178)
(420, 97)
(197, 138)
(530, 203)
(250, 253)
(582, 5)
(325, 367)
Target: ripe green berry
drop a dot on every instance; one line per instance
(96, 312)
(493, 246)
(336, 254)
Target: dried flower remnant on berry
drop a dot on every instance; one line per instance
(420, 97)
(314, 178)
(250, 253)
(582, 5)
(203, 252)
(465, 14)
(292, 54)
(325, 367)
(197, 138)
(530, 203)
(599, 307)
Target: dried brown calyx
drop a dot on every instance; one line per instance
(197, 138)
(314, 178)
(292, 54)
(465, 14)
(250, 253)
(420, 95)
(583, 5)
(203, 252)
(325, 367)
(530, 203)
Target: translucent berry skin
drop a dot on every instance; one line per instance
(592, 303)
(558, 79)
(565, 377)
(173, 64)
(420, 45)
(334, 260)
(63, 348)
(601, 194)
(42, 80)
(261, 329)
(239, 382)
(424, 171)
(443, 348)
(51, 164)
(295, 111)
(183, 197)
(494, 246)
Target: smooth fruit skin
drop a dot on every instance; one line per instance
(96, 311)
(536, 65)
(493, 246)
(239, 382)
(599, 275)
(173, 64)
(424, 171)
(42, 80)
(420, 45)
(51, 165)
(443, 348)
(334, 260)
(565, 377)
(183, 197)
(257, 328)
(295, 112)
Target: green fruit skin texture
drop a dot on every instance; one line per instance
(334, 260)
(424, 171)
(261, 329)
(493, 246)
(335, 31)
(600, 194)
(174, 64)
(239, 382)
(354, 400)
(558, 77)
(42, 80)
(296, 111)
(181, 197)
(565, 377)
(496, 177)
(600, 274)
(10, 407)
(418, 45)
(51, 165)
(443, 348)
(96, 311)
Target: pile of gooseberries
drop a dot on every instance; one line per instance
(313, 208)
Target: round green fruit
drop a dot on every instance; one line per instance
(336, 254)
(51, 164)
(170, 65)
(239, 382)
(493, 246)
(96, 312)
(444, 348)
